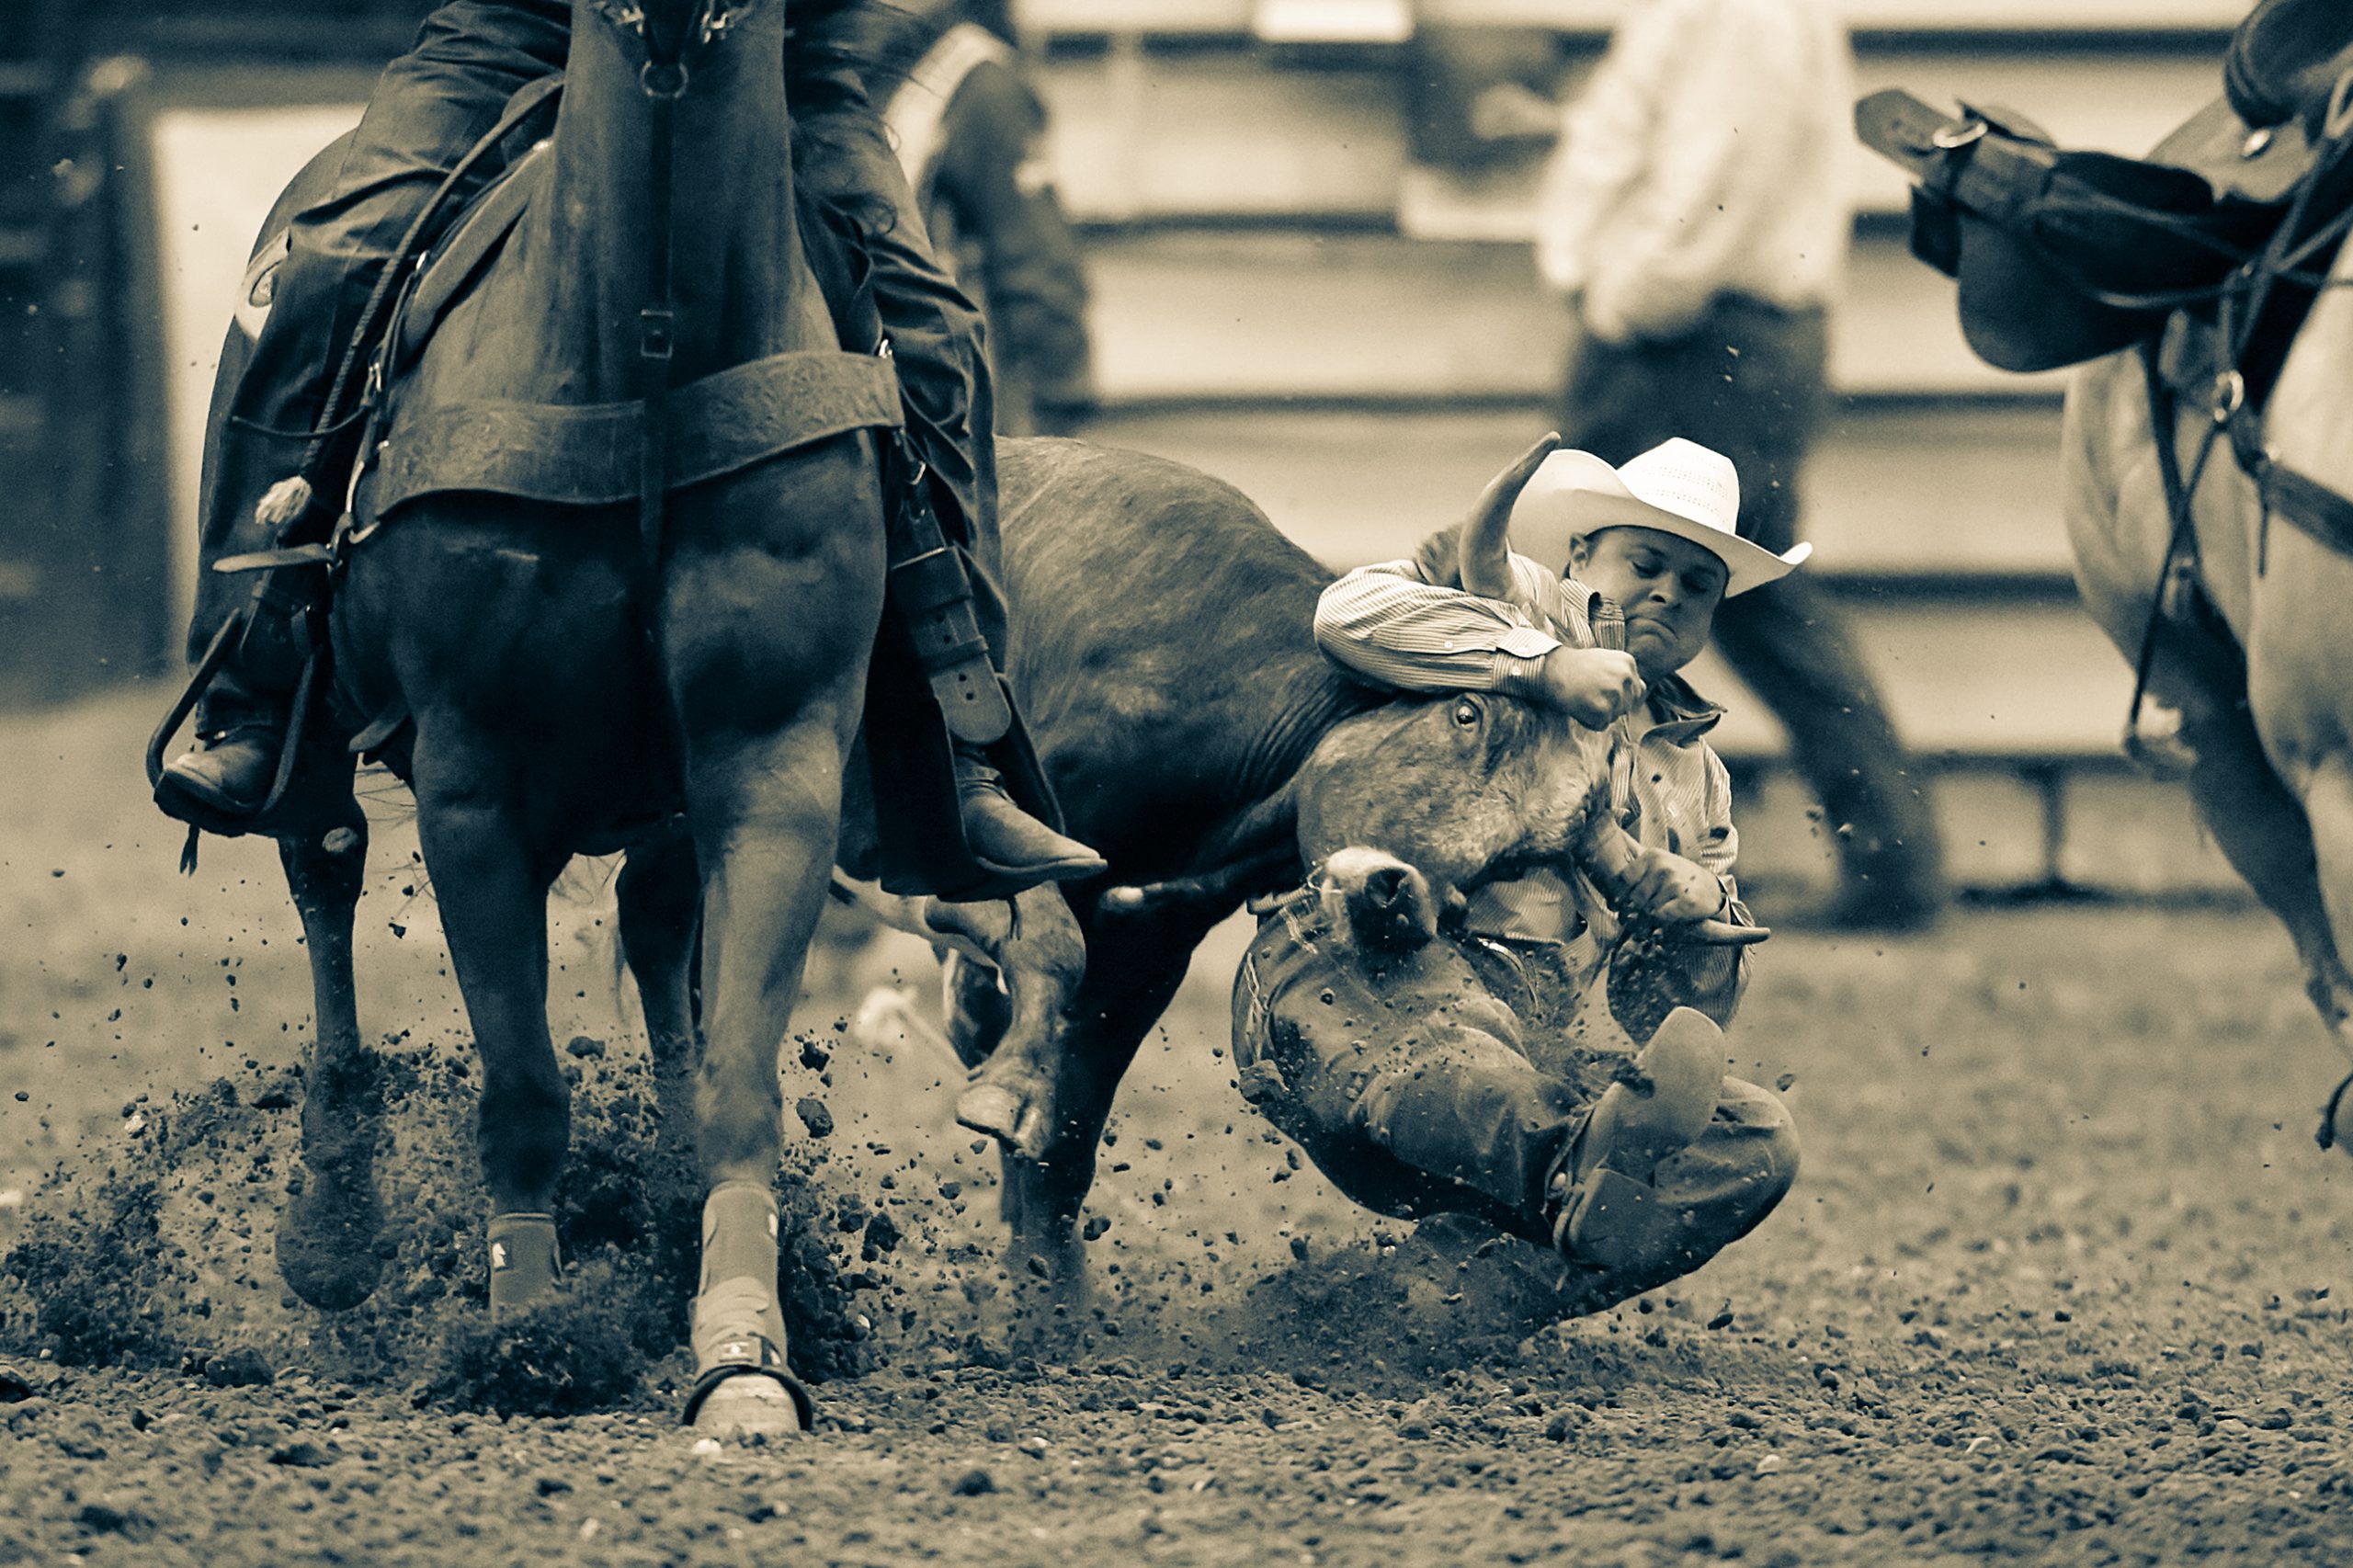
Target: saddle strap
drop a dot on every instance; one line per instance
(2315, 509)
(527, 101)
(932, 594)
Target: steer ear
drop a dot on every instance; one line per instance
(1485, 549)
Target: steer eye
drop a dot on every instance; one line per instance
(1466, 713)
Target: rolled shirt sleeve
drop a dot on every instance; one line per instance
(1391, 626)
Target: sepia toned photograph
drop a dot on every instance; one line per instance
(1210, 783)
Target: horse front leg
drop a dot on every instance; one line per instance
(492, 878)
(2262, 828)
(766, 811)
(2328, 808)
(327, 1240)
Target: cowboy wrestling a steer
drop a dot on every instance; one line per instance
(1437, 1048)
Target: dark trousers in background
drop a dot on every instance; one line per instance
(1751, 380)
(1415, 1103)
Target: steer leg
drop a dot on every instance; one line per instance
(1037, 946)
(1131, 975)
(327, 1240)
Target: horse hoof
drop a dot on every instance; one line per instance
(326, 1245)
(749, 1405)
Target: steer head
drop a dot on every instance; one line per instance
(1467, 788)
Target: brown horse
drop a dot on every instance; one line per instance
(568, 625)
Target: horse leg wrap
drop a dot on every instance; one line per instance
(524, 1263)
(738, 1326)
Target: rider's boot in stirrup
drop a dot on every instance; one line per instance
(1007, 841)
(242, 719)
(227, 774)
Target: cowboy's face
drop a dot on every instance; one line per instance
(1669, 587)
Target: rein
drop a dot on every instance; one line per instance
(2234, 404)
(663, 77)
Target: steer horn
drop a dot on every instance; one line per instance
(1608, 852)
(1484, 542)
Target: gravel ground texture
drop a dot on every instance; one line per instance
(2064, 1277)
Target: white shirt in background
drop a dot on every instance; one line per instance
(1706, 154)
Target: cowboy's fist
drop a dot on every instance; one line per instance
(1665, 886)
(1592, 686)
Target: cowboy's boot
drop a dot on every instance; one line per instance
(227, 774)
(1607, 1215)
(948, 605)
(1006, 841)
(242, 721)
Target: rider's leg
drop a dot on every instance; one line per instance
(1414, 1101)
(937, 342)
(430, 106)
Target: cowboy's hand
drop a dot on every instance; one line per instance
(1665, 886)
(1593, 685)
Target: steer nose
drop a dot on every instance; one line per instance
(1384, 887)
(1381, 901)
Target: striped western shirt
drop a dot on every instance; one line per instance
(1403, 624)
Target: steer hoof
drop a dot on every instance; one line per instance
(1016, 1118)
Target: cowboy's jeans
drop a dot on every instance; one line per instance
(1413, 1109)
(430, 106)
(429, 109)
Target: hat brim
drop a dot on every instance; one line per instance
(1576, 493)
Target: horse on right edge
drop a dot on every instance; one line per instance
(2201, 294)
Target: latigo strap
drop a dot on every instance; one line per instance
(932, 594)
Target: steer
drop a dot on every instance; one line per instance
(1164, 658)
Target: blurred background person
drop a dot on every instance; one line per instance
(971, 132)
(1695, 219)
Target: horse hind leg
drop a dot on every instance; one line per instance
(2328, 807)
(660, 902)
(326, 1239)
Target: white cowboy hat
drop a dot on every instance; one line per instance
(1677, 487)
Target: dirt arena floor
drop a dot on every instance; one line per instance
(2063, 1280)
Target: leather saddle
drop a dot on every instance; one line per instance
(2286, 58)
(2065, 256)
